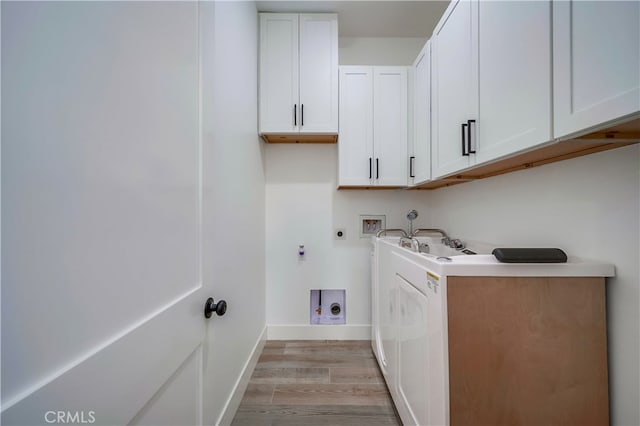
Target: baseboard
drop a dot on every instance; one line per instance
(230, 408)
(319, 332)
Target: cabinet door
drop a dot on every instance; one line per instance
(278, 72)
(453, 54)
(413, 354)
(390, 125)
(514, 62)
(319, 73)
(596, 63)
(420, 163)
(355, 145)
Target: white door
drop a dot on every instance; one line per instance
(514, 61)
(596, 63)
(420, 163)
(102, 292)
(355, 145)
(453, 55)
(390, 126)
(318, 73)
(279, 110)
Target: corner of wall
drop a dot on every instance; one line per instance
(233, 402)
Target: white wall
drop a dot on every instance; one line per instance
(379, 50)
(304, 207)
(589, 207)
(234, 199)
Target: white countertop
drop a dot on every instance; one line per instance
(488, 265)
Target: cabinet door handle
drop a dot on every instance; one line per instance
(411, 160)
(471, 151)
(301, 115)
(295, 115)
(464, 143)
(377, 169)
(370, 168)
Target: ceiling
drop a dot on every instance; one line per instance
(356, 18)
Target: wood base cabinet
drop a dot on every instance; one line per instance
(527, 351)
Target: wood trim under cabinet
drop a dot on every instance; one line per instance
(299, 138)
(373, 187)
(617, 136)
(527, 351)
(538, 157)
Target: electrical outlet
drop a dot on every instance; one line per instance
(340, 234)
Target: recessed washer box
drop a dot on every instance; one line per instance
(370, 224)
(327, 307)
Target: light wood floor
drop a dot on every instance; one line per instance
(312, 383)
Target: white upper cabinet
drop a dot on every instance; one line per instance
(390, 125)
(420, 159)
(318, 73)
(454, 89)
(298, 73)
(491, 82)
(514, 77)
(278, 72)
(372, 150)
(596, 63)
(355, 147)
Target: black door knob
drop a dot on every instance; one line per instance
(210, 306)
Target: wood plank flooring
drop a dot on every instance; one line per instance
(309, 382)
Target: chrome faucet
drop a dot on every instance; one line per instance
(446, 240)
(412, 215)
(409, 242)
(456, 244)
(385, 231)
(430, 230)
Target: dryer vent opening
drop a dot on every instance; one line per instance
(327, 307)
